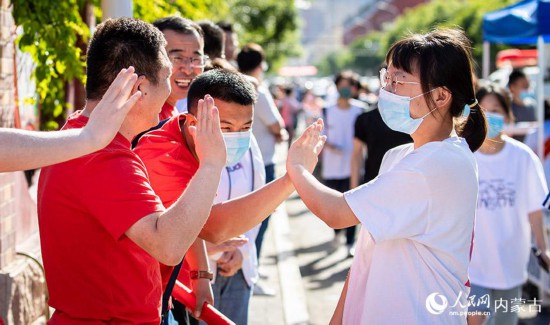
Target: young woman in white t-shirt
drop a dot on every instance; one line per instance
(511, 189)
(417, 216)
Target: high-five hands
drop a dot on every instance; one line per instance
(305, 150)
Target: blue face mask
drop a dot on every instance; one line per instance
(495, 123)
(345, 92)
(396, 112)
(526, 95)
(237, 144)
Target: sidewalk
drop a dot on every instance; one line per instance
(302, 266)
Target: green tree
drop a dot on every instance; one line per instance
(150, 10)
(51, 34)
(271, 23)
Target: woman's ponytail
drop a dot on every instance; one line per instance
(474, 129)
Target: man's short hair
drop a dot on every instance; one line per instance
(515, 76)
(120, 43)
(213, 39)
(221, 84)
(225, 26)
(250, 57)
(179, 25)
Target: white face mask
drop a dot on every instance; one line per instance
(237, 144)
(396, 111)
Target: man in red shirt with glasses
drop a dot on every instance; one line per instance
(185, 49)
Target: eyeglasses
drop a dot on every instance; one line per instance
(194, 62)
(386, 80)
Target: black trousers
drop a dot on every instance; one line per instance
(342, 185)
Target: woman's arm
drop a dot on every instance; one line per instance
(327, 204)
(536, 219)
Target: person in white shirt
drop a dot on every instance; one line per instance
(236, 265)
(511, 189)
(339, 120)
(417, 216)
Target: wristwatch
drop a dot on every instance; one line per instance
(201, 275)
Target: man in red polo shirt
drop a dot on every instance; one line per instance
(103, 230)
(185, 49)
(169, 153)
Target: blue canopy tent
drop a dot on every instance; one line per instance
(526, 22)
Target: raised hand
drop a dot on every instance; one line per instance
(305, 150)
(107, 117)
(207, 134)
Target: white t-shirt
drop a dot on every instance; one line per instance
(339, 129)
(265, 114)
(417, 220)
(244, 177)
(181, 105)
(511, 185)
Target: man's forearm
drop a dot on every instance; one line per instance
(234, 217)
(183, 221)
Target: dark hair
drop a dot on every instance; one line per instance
(213, 39)
(219, 63)
(221, 84)
(503, 96)
(348, 75)
(443, 58)
(515, 76)
(179, 25)
(225, 26)
(120, 43)
(250, 57)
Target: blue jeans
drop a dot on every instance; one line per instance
(232, 297)
(269, 176)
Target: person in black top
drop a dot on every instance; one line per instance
(371, 132)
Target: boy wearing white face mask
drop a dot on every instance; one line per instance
(170, 157)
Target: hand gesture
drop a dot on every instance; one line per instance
(305, 150)
(207, 134)
(230, 263)
(107, 117)
(227, 246)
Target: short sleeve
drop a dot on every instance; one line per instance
(120, 194)
(265, 109)
(360, 127)
(536, 184)
(394, 205)
(170, 166)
